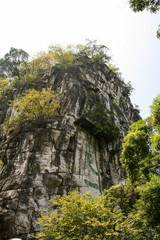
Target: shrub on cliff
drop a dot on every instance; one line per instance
(33, 71)
(34, 106)
(1, 163)
(4, 87)
(104, 124)
(16, 66)
(83, 217)
(66, 58)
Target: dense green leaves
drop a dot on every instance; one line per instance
(4, 87)
(66, 58)
(34, 71)
(16, 67)
(12, 61)
(141, 159)
(97, 53)
(34, 106)
(80, 216)
(140, 155)
(136, 150)
(1, 163)
(155, 112)
(104, 124)
(148, 204)
(140, 5)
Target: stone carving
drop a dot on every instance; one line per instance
(43, 160)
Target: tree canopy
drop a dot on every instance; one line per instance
(12, 61)
(140, 5)
(80, 216)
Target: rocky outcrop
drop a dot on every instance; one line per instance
(43, 160)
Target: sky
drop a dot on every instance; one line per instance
(33, 25)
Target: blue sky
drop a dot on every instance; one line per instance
(33, 25)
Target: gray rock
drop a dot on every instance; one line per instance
(44, 160)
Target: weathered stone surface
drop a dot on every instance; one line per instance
(44, 160)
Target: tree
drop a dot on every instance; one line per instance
(155, 112)
(140, 154)
(81, 216)
(136, 150)
(10, 64)
(97, 53)
(141, 159)
(34, 71)
(34, 106)
(66, 58)
(148, 204)
(151, 5)
(140, 5)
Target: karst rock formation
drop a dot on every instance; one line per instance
(46, 159)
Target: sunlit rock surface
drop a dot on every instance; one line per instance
(44, 160)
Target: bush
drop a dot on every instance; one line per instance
(1, 163)
(32, 107)
(4, 87)
(33, 72)
(127, 88)
(103, 121)
(81, 216)
(64, 58)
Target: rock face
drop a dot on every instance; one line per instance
(44, 160)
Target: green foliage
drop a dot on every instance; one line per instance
(80, 216)
(124, 212)
(137, 156)
(148, 206)
(97, 53)
(1, 163)
(33, 106)
(122, 197)
(140, 205)
(127, 88)
(4, 87)
(103, 121)
(114, 69)
(16, 67)
(140, 5)
(141, 159)
(155, 112)
(158, 32)
(33, 71)
(12, 61)
(64, 58)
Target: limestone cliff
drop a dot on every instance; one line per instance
(46, 159)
